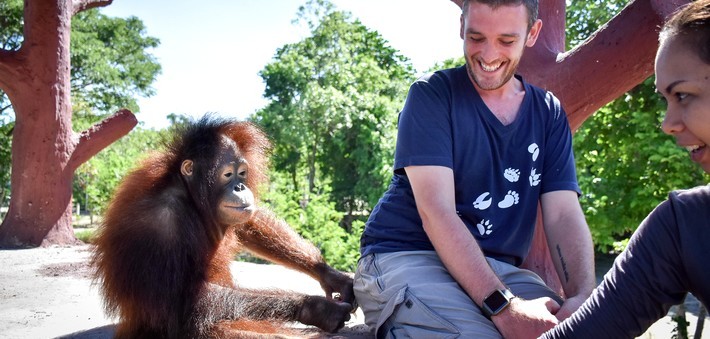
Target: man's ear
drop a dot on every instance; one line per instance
(186, 168)
(534, 33)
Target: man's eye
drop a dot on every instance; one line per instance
(507, 43)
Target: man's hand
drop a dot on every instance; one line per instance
(571, 304)
(527, 318)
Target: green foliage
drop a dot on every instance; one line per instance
(334, 98)
(584, 17)
(86, 235)
(338, 91)
(315, 218)
(625, 164)
(5, 139)
(95, 180)
(11, 24)
(110, 65)
(448, 63)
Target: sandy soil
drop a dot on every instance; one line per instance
(47, 293)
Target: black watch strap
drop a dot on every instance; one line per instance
(496, 302)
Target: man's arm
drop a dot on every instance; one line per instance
(433, 188)
(570, 246)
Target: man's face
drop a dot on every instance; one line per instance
(493, 42)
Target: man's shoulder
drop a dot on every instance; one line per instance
(700, 194)
(543, 98)
(538, 91)
(447, 75)
(443, 84)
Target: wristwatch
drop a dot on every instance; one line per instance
(496, 302)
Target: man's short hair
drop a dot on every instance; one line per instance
(530, 5)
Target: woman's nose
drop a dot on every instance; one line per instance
(672, 122)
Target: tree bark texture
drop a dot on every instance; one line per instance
(45, 149)
(615, 59)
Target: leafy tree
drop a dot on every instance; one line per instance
(110, 66)
(317, 220)
(110, 63)
(586, 16)
(625, 164)
(338, 91)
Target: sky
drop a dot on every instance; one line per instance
(212, 51)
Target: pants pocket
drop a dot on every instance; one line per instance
(406, 316)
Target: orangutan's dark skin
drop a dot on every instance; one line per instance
(162, 253)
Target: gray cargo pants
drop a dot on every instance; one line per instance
(411, 295)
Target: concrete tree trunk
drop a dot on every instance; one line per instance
(45, 149)
(612, 61)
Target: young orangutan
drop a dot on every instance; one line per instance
(162, 253)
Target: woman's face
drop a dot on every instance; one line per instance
(684, 81)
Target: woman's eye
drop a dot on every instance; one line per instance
(681, 96)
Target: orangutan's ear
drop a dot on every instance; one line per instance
(186, 168)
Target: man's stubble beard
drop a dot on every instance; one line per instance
(510, 72)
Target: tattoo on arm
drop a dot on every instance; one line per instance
(564, 264)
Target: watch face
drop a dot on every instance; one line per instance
(496, 301)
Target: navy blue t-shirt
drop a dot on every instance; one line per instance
(499, 171)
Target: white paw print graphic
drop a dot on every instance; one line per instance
(510, 199)
(534, 150)
(481, 203)
(534, 178)
(512, 174)
(484, 227)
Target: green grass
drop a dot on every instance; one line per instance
(85, 235)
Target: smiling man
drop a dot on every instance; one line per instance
(477, 149)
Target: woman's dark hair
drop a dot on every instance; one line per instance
(691, 26)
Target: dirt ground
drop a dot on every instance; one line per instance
(47, 293)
